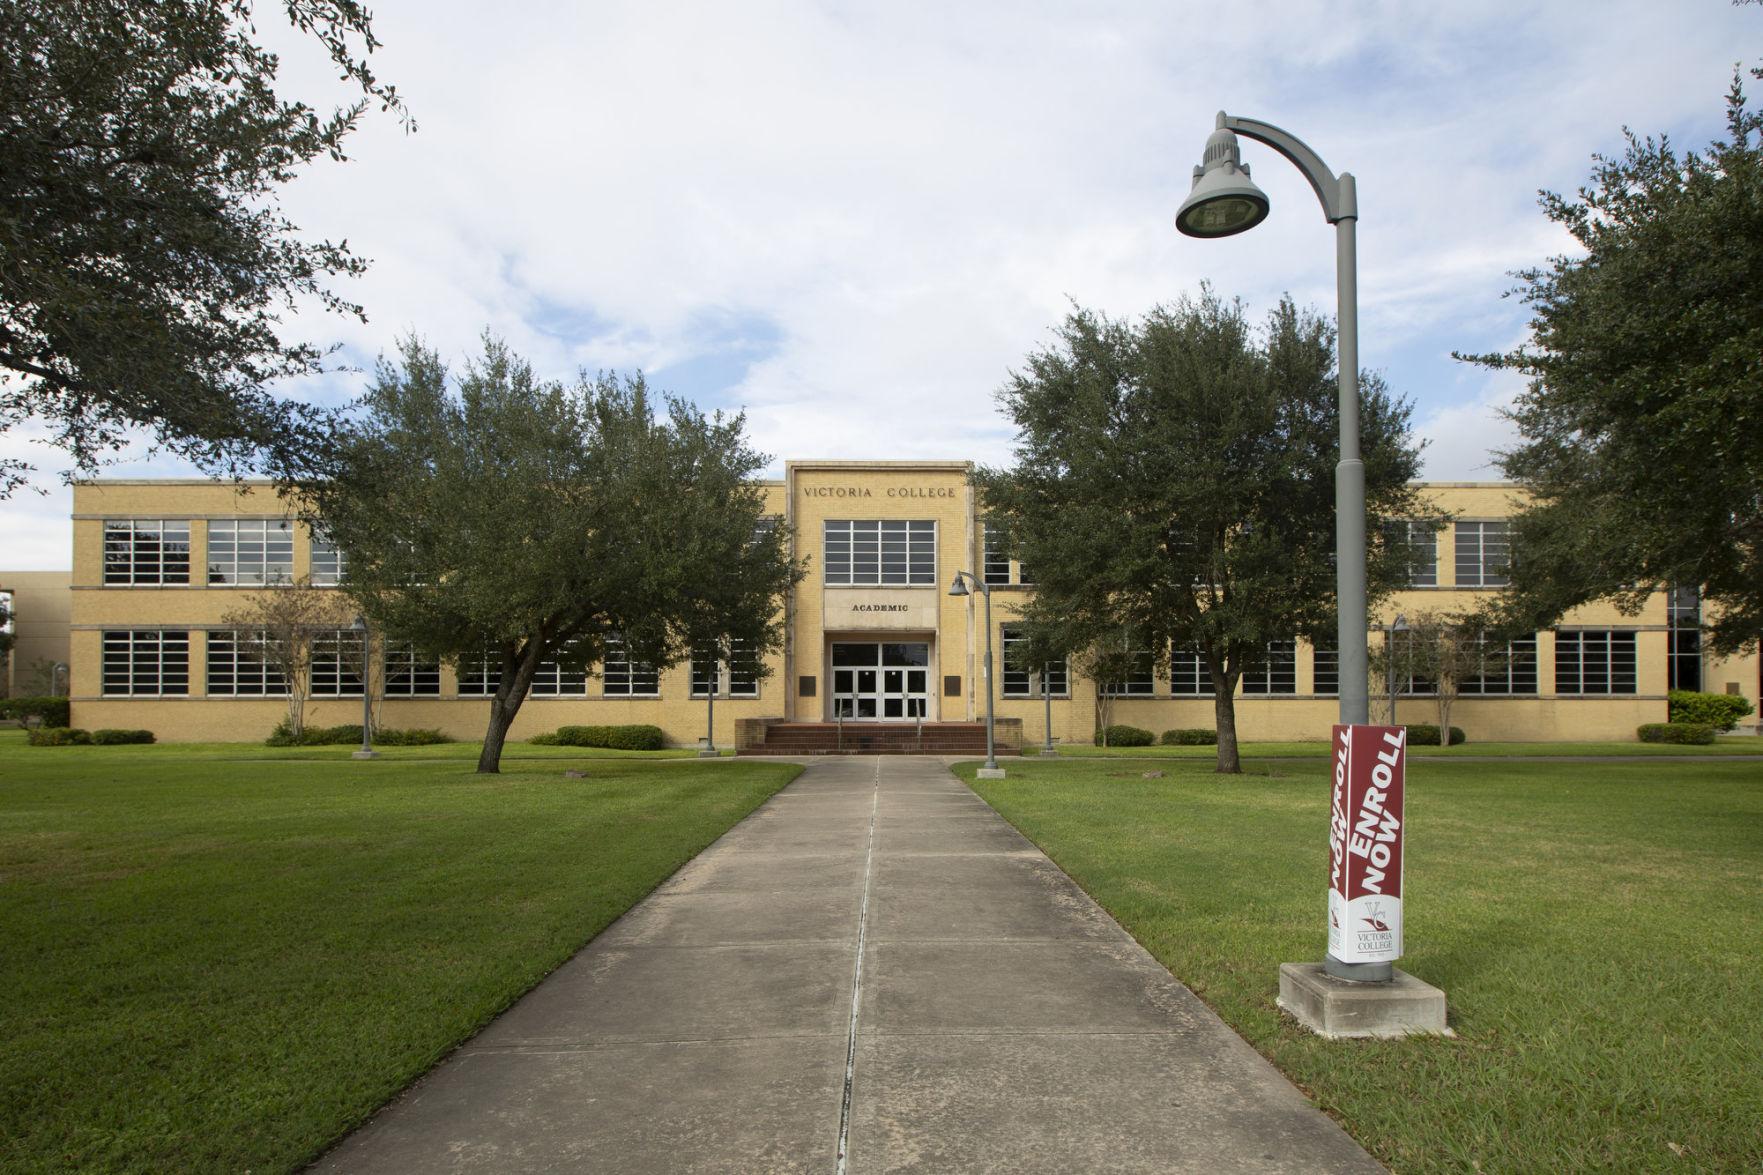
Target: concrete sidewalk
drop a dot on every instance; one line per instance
(874, 972)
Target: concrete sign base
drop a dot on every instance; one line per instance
(1337, 1008)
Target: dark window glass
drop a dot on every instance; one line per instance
(1685, 657)
(240, 666)
(1188, 677)
(620, 677)
(1326, 671)
(1506, 668)
(256, 551)
(337, 655)
(1595, 661)
(1423, 541)
(735, 676)
(409, 674)
(146, 551)
(880, 552)
(1021, 679)
(1140, 682)
(1275, 672)
(146, 662)
(1484, 551)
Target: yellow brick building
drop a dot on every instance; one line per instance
(873, 634)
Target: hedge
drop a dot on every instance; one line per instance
(1126, 736)
(340, 736)
(52, 711)
(60, 736)
(117, 738)
(1719, 711)
(1684, 733)
(1428, 736)
(615, 738)
(1190, 737)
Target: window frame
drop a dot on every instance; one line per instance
(232, 648)
(1479, 566)
(1570, 675)
(136, 642)
(846, 549)
(275, 536)
(130, 569)
(1020, 683)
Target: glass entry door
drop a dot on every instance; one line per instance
(881, 681)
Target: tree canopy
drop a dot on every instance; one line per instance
(144, 262)
(1174, 486)
(1640, 423)
(530, 521)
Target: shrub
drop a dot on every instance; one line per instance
(1683, 733)
(617, 738)
(60, 736)
(1127, 736)
(1190, 737)
(544, 740)
(413, 737)
(117, 738)
(51, 712)
(1428, 736)
(1719, 711)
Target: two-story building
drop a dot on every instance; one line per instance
(163, 569)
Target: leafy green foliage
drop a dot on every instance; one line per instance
(120, 738)
(346, 735)
(1721, 711)
(144, 261)
(60, 736)
(1681, 733)
(1196, 736)
(1424, 735)
(1640, 423)
(1174, 486)
(1125, 736)
(50, 711)
(540, 521)
(635, 737)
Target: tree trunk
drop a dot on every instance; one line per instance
(505, 704)
(1224, 709)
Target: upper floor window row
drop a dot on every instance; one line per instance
(146, 551)
(1422, 542)
(995, 564)
(251, 551)
(881, 552)
(1484, 553)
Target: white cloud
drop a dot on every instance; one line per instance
(908, 194)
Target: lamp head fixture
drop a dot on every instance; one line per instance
(959, 587)
(1224, 200)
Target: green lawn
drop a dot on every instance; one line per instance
(1597, 929)
(1318, 748)
(222, 958)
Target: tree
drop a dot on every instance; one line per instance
(1638, 429)
(144, 262)
(1174, 478)
(280, 627)
(530, 522)
(1441, 651)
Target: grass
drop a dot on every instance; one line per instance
(1318, 748)
(1595, 927)
(225, 958)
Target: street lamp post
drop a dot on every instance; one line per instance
(710, 751)
(1224, 201)
(1047, 703)
(1400, 624)
(991, 770)
(366, 751)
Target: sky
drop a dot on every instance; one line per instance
(853, 221)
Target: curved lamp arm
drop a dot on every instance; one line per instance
(1339, 195)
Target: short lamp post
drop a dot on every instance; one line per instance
(59, 685)
(715, 679)
(991, 770)
(359, 626)
(1047, 703)
(1400, 624)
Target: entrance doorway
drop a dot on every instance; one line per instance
(881, 680)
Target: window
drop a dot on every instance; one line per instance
(1484, 550)
(1423, 541)
(735, 677)
(1188, 677)
(996, 564)
(250, 551)
(1506, 668)
(239, 666)
(1139, 681)
(408, 674)
(552, 680)
(621, 678)
(480, 675)
(1275, 672)
(1684, 611)
(328, 564)
(148, 662)
(881, 553)
(1409, 682)
(1325, 671)
(146, 551)
(337, 655)
(1023, 680)
(1593, 661)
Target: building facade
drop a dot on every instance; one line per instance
(163, 569)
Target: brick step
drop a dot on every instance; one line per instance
(812, 751)
(874, 738)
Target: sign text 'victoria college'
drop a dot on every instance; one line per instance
(1365, 844)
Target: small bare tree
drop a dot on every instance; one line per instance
(279, 626)
(1109, 661)
(1444, 649)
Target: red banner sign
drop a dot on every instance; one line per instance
(1365, 844)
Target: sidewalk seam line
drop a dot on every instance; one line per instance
(857, 980)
